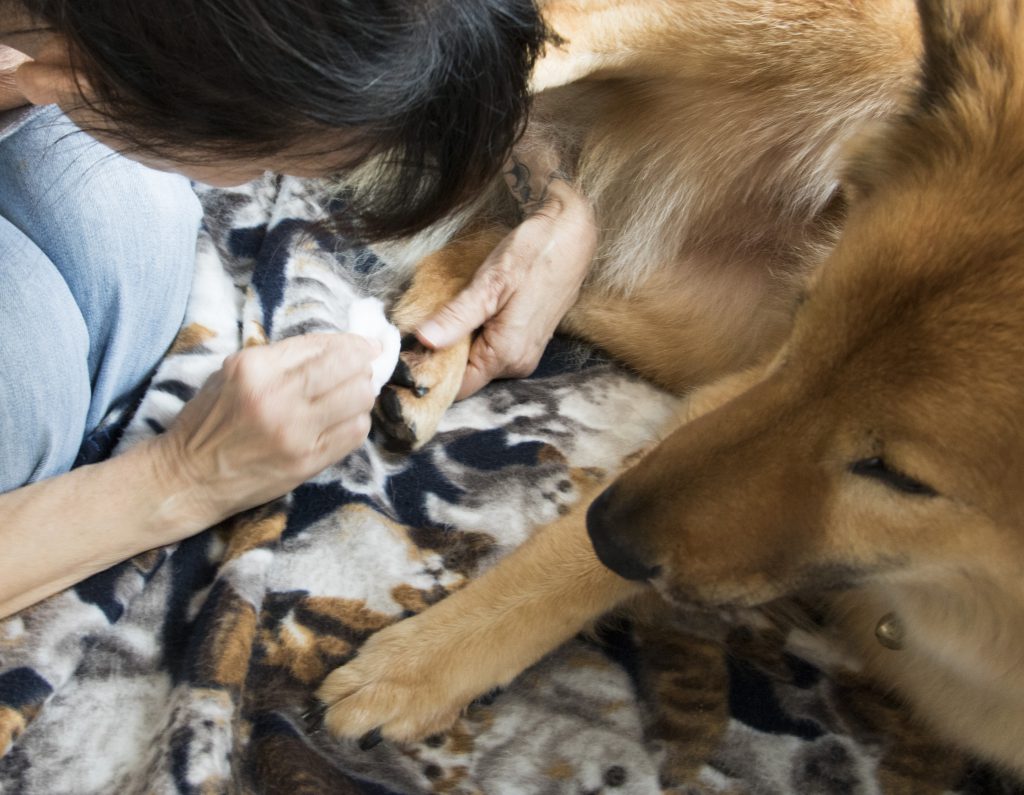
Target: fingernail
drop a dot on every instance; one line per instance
(370, 740)
(431, 333)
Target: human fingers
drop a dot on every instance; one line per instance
(253, 394)
(480, 300)
(349, 398)
(247, 437)
(500, 352)
(302, 366)
(332, 361)
(334, 443)
(294, 352)
(289, 410)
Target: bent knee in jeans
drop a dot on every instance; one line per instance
(45, 390)
(96, 258)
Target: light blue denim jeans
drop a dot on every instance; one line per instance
(96, 259)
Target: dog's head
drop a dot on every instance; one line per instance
(886, 439)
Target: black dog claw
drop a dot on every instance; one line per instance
(313, 718)
(487, 698)
(370, 740)
(402, 376)
(390, 405)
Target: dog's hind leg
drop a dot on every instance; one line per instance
(682, 332)
(425, 382)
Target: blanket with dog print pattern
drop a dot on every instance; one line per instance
(190, 669)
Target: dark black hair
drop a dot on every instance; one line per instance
(436, 89)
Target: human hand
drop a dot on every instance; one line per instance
(521, 292)
(269, 419)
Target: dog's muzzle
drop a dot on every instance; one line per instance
(611, 543)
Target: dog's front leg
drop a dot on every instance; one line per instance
(415, 677)
(426, 382)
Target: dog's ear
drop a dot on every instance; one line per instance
(941, 64)
(965, 42)
(969, 98)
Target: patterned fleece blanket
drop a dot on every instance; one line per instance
(190, 669)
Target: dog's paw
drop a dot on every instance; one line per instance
(421, 389)
(400, 687)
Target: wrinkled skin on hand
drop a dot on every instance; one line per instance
(272, 417)
(522, 291)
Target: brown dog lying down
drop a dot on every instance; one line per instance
(878, 457)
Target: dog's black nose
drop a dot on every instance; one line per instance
(611, 541)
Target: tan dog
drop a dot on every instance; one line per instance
(879, 455)
(708, 136)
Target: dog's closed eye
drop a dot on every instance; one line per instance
(877, 469)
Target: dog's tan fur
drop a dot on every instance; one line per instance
(907, 349)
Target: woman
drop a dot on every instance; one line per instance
(97, 249)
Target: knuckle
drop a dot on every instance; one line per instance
(307, 381)
(287, 443)
(364, 396)
(253, 407)
(361, 428)
(244, 366)
(493, 282)
(358, 353)
(230, 365)
(349, 345)
(486, 355)
(369, 396)
(317, 344)
(522, 367)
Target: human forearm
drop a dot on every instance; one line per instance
(269, 419)
(60, 531)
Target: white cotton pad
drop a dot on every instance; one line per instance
(366, 318)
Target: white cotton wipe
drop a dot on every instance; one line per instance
(366, 318)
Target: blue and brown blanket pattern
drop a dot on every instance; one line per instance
(190, 669)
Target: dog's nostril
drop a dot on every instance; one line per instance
(610, 544)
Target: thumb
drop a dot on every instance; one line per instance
(465, 313)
